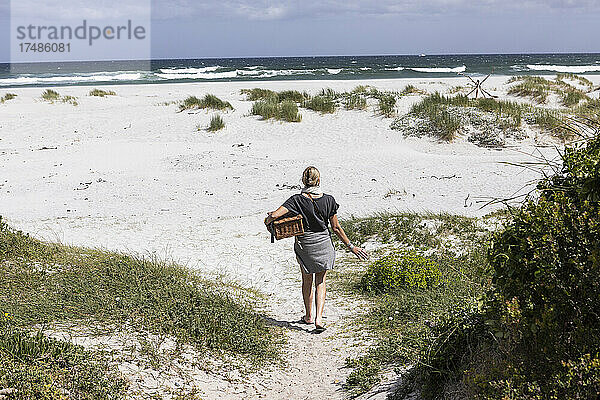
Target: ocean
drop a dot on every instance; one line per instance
(296, 68)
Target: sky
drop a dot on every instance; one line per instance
(245, 28)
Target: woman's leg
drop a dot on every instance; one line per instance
(307, 295)
(320, 298)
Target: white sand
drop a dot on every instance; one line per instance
(129, 173)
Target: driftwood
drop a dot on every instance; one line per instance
(477, 87)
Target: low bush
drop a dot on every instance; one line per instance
(400, 270)
(537, 333)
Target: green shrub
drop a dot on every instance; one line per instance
(400, 270)
(216, 123)
(411, 89)
(102, 93)
(538, 333)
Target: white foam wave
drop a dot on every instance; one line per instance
(200, 75)
(441, 69)
(333, 71)
(24, 80)
(574, 69)
(189, 70)
(395, 69)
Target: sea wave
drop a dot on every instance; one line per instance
(334, 71)
(574, 69)
(440, 70)
(27, 80)
(189, 70)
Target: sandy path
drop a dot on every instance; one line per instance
(129, 173)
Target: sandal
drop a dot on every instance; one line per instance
(305, 322)
(319, 329)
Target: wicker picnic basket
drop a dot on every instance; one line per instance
(286, 227)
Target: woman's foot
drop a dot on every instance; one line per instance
(306, 320)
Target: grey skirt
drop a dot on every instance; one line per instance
(314, 251)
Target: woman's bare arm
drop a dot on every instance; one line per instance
(339, 231)
(273, 215)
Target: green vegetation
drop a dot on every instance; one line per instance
(321, 103)
(327, 101)
(536, 333)
(102, 93)
(37, 367)
(208, 101)
(6, 97)
(355, 101)
(400, 270)
(444, 116)
(266, 94)
(44, 283)
(538, 88)
(387, 105)
(577, 78)
(52, 96)
(216, 123)
(410, 293)
(272, 109)
(411, 89)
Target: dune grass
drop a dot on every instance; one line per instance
(444, 252)
(102, 93)
(355, 101)
(577, 78)
(266, 94)
(52, 96)
(387, 105)
(272, 109)
(322, 104)
(37, 367)
(43, 282)
(216, 123)
(411, 89)
(538, 88)
(209, 101)
(7, 97)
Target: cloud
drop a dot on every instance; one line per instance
(292, 9)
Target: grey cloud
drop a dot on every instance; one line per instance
(290, 9)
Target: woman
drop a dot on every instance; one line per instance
(314, 249)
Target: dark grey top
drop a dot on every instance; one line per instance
(300, 204)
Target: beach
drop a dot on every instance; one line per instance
(131, 173)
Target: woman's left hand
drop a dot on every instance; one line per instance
(360, 253)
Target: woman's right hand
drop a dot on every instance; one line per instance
(360, 253)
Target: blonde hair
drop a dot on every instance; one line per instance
(311, 177)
